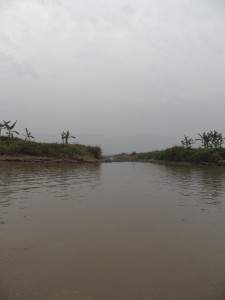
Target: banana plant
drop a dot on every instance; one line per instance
(9, 128)
(187, 142)
(65, 136)
(221, 140)
(205, 139)
(28, 135)
(216, 139)
(212, 139)
(2, 126)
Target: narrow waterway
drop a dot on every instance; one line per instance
(117, 231)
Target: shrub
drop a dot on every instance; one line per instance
(203, 155)
(177, 154)
(95, 151)
(159, 155)
(15, 146)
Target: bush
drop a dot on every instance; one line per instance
(202, 155)
(157, 155)
(208, 155)
(15, 146)
(181, 154)
(178, 154)
(96, 151)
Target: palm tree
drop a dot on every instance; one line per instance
(9, 128)
(28, 135)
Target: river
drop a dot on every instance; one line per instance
(112, 231)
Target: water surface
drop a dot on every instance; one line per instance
(120, 231)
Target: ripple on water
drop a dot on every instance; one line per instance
(115, 231)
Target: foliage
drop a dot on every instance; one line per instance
(181, 154)
(211, 139)
(95, 151)
(156, 155)
(216, 139)
(177, 154)
(16, 146)
(121, 157)
(205, 140)
(187, 142)
(65, 136)
(203, 155)
(9, 145)
(28, 135)
(9, 128)
(2, 126)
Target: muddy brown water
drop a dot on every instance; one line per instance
(119, 231)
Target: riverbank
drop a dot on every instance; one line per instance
(18, 150)
(33, 159)
(183, 163)
(177, 155)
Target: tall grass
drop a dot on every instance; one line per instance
(17, 146)
(181, 154)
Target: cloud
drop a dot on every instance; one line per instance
(11, 69)
(117, 66)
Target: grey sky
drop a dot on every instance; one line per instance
(127, 75)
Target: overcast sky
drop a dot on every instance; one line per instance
(125, 75)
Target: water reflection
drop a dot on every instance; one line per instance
(205, 183)
(111, 231)
(17, 180)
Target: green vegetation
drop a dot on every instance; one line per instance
(187, 142)
(182, 154)
(1, 127)
(212, 139)
(28, 135)
(65, 136)
(125, 157)
(15, 146)
(212, 150)
(12, 146)
(9, 128)
(155, 155)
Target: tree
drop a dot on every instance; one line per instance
(63, 137)
(9, 128)
(186, 142)
(2, 126)
(66, 136)
(212, 139)
(28, 135)
(216, 139)
(205, 139)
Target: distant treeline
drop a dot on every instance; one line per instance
(211, 150)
